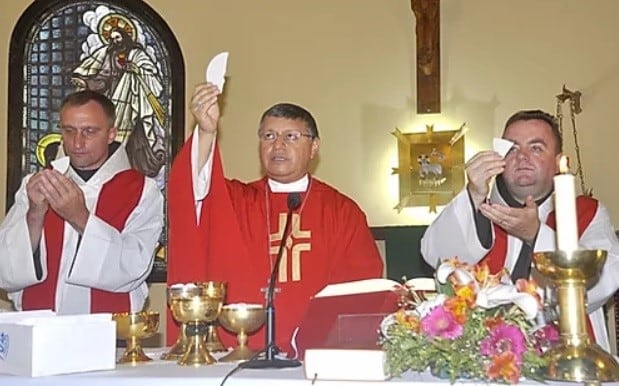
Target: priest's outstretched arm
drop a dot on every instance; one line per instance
(205, 109)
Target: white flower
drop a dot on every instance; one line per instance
(461, 274)
(490, 297)
(390, 320)
(490, 292)
(425, 307)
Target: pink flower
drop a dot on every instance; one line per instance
(504, 338)
(545, 337)
(441, 323)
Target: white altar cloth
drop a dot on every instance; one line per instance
(168, 373)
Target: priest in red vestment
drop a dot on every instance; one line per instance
(518, 218)
(228, 230)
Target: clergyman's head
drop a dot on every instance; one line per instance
(288, 141)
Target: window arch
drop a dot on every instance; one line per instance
(121, 48)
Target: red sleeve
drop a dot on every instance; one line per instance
(208, 250)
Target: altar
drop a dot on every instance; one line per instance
(165, 373)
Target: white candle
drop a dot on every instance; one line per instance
(565, 208)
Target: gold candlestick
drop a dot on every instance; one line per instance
(575, 358)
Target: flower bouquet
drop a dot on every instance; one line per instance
(479, 326)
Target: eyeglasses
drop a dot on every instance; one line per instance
(289, 136)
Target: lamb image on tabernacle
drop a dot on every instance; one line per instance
(430, 168)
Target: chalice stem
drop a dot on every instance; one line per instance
(197, 353)
(572, 315)
(132, 344)
(242, 338)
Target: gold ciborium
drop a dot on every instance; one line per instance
(575, 358)
(241, 319)
(133, 327)
(195, 305)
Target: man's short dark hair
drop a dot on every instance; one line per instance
(80, 98)
(292, 111)
(527, 115)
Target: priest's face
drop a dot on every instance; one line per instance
(286, 148)
(86, 135)
(533, 161)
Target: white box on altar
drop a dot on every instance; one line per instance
(38, 343)
(345, 365)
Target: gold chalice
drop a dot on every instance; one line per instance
(133, 327)
(241, 319)
(195, 305)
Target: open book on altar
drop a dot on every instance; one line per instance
(348, 315)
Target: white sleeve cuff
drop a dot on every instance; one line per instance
(202, 178)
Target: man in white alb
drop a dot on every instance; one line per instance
(518, 219)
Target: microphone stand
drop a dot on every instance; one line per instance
(270, 361)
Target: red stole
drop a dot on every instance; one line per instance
(586, 207)
(127, 185)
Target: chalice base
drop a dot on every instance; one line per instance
(133, 356)
(582, 363)
(197, 354)
(177, 351)
(241, 353)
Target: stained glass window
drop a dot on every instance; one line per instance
(123, 49)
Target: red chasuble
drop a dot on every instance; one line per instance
(127, 184)
(239, 234)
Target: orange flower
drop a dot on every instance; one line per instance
(458, 308)
(481, 272)
(527, 286)
(454, 262)
(467, 293)
(491, 322)
(504, 367)
(494, 280)
(409, 321)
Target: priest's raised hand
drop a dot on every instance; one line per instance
(65, 198)
(204, 107)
